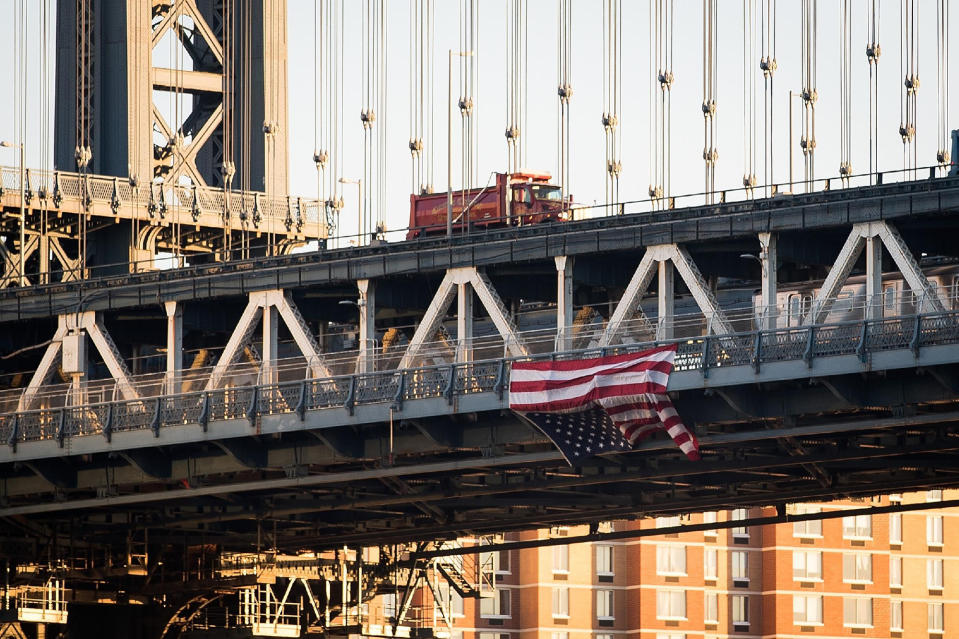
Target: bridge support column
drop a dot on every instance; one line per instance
(652, 261)
(174, 346)
(365, 359)
(769, 262)
(666, 293)
(873, 277)
(75, 364)
(464, 322)
(270, 345)
(564, 303)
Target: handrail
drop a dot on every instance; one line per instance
(699, 354)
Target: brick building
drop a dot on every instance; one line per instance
(888, 575)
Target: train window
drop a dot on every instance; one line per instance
(954, 293)
(889, 301)
(544, 192)
(797, 306)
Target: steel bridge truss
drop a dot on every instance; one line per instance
(360, 448)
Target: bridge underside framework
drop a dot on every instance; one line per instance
(399, 430)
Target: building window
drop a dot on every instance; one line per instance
(895, 497)
(740, 604)
(857, 567)
(857, 612)
(670, 560)
(496, 606)
(895, 615)
(740, 565)
(895, 572)
(739, 515)
(501, 562)
(807, 565)
(600, 636)
(389, 605)
(857, 527)
(935, 618)
(710, 563)
(895, 528)
(561, 602)
(667, 522)
(934, 574)
(807, 529)
(565, 635)
(604, 605)
(934, 530)
(446, 596)
(711, 607)
(933, 495)
(670, 635)
(671, 604)
(604, 560)
(561, 559)
(709, 517)
(807, 610)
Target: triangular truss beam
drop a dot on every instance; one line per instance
(875, 235)
(653, 260)
(90, 323)
(456, 282)
(262, 302)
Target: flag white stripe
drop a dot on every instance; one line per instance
(581, 390)
(533, 375)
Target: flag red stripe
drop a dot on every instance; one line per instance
(577, 364)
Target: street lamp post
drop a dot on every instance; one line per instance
(449, 139)
(359, 207)
(23, 212)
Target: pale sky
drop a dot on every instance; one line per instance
(588, 156)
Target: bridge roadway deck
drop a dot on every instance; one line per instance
(906, 202)
(787, 415)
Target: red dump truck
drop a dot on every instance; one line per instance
(516, 199)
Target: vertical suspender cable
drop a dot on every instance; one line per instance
(943, 157)
(768, 65)
(612, 107)
(663, 78)
(873, 51)
(565, 92)
(809, 93)
(710, 60)
(845, 91)
(909, 52)
(749, 97)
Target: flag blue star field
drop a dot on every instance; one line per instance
(604, 404)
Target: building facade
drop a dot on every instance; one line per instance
(885, 575)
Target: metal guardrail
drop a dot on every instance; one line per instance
(395, 387)
(58, 190)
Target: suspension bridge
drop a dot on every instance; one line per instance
(193, 358)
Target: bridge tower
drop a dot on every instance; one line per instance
(123, 65)
(178, 92)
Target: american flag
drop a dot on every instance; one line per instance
(603, 404)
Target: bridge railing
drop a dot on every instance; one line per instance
(307, 217)
(485, 347)
(395, 387)
(158, 200)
